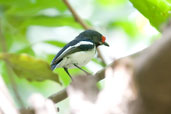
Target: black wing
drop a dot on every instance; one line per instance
(71, 47)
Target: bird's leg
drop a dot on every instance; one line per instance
(82, 69)
(66, 70)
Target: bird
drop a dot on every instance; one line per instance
(78, 52)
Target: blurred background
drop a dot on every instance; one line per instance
(40, 28)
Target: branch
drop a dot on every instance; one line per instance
(153, 76)
(112, 99)
(83, 24)
(61, 95)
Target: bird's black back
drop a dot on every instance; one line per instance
(54, 62)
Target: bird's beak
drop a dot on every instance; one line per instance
(106, 44)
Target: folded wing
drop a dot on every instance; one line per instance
(72, 47)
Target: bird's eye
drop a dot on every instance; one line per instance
(103, 39)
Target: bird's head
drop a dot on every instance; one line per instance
(94, 36)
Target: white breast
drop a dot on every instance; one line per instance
(79, 58)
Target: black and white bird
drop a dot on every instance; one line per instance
(79, 51)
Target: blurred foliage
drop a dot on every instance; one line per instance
(108, 3)
(19, 17)
(98, 62)
(157, 11)
(56, 43)
(29, 7)
(51, 21)
(128, 26)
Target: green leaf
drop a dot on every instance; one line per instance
(30, 68)
(51, 21)
(157, 11)
(64, 76)
(27, 50)
(97, 61)
(128, 26)
(31, 7)
(110, 2)
(18, 43)
(56, 43)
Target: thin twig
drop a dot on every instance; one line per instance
(76, 16)
(83, 24)
(100, 56)
(9, 70)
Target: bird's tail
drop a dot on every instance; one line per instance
(53, 66)
(54, 63)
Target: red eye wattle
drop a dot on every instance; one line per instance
(103, 39)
